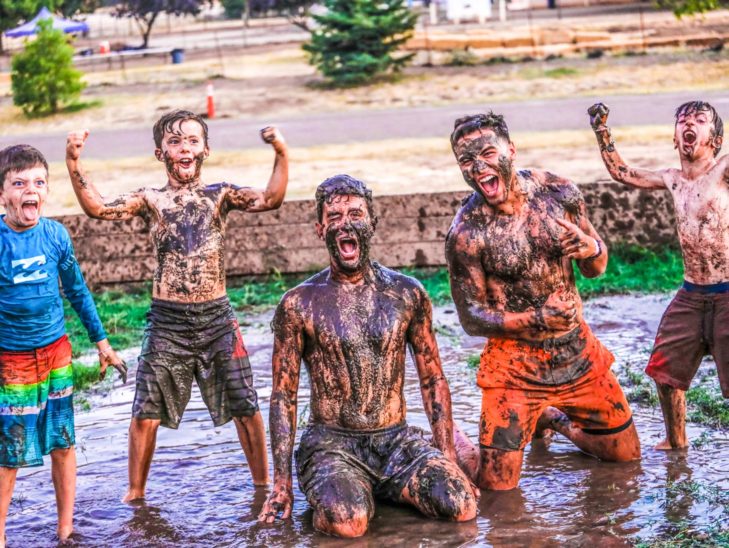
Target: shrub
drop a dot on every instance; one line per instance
(355, 39)
(43, 76)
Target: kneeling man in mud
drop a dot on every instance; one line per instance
(351, 324)
(510, 251)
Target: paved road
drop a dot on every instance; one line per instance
(374, 125)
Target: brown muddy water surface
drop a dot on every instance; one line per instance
(200, 491)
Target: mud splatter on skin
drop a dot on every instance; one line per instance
(699, 189)
(351, 325)
(519, 256)
(361, 231)
(170, 165)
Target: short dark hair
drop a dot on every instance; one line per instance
(474, 122)
(167, 122)
(692, 107)
(20, 158)
(341, 185)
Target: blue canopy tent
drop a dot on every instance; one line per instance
(31, 27)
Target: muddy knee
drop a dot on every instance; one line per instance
(443, 492)
(340, 522)
(343, 508)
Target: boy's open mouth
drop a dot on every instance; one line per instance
(187, 162)
(689, 137)
(30, 208)
(489, 186)
(348, 247)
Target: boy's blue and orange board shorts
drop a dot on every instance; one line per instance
(36, 403)
(520, 379)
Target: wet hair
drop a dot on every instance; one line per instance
(341, 185)
(474, 122)
(168, 121)
(20, 158)
(693, 107)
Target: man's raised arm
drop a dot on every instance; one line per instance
(433, 384)
(253, 200)
(94, 205)
(288, 346)
(619, 171)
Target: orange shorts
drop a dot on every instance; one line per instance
(520, 379)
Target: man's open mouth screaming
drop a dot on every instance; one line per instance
(489, 185)
(348, 247)
(689, 137)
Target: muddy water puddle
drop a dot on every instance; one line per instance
(200, 491)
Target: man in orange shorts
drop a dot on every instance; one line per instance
(510, 251)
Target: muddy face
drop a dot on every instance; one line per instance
(347, 229)
(183, 152)
(23, 195)
(694, 135)
(486, 162)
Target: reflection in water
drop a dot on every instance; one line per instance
(148, 525)
(200, 490)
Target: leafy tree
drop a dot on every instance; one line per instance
(145, 12)
(69, 8)
(690, 7)
(234, 9)
(14, 12)
(42, 76)
(355, 39)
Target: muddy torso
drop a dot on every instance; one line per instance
(520, 253)
(354, 348)
(188, 229)
(702, 215)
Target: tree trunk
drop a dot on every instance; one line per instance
(148, 30)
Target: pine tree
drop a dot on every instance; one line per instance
(355, 40)
(42, 76)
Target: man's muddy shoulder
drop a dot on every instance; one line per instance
(398, 280)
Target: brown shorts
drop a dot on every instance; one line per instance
(519, 380)
(693, 325)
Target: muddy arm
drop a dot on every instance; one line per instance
(287, 350)
(433, 384)
(618, 169)
(468, 287)
(94, 205)
(254, 200)
(578, 239)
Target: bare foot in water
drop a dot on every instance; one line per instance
(665, 445)
(64, 536)
(131, 496)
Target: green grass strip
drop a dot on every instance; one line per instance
(123, 313)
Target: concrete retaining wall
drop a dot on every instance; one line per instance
(411, 232)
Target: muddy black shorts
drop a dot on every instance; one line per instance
(696, 323)
(385, 459)
(183, 341)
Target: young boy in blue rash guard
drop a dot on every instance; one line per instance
(36, 380)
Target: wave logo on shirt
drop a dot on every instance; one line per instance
(28, 275)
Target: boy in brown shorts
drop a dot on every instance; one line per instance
(191, 329)
(696, 322)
